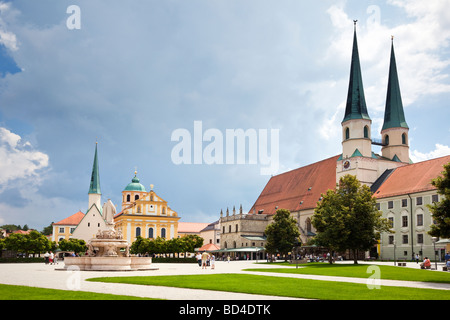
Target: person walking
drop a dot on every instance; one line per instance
(50, 258)
(46, 256)
(213, 262)
(205, 257)
(199, 259)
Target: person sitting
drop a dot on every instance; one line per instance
(426, 264)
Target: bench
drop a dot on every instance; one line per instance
(444, 268)
(401, 264)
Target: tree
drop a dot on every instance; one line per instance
(140, 245)
(347, 218)
(34, 243)
(48, 230)
(73, 244)
(441, 210)
(282, 234)
(192, 241)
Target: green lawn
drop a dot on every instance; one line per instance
(13, 292)
(360, 271)
(285, 287)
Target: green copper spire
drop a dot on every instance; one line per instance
(394, 116)
(356, 102)
(95, 177)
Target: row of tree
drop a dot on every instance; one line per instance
(162, 246)
(35, 243)
(347, 219)
(29, 244)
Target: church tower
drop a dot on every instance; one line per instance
(95, 194)
(356, 125)
(357, 158)
(394, 133)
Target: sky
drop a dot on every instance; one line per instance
(159, 84)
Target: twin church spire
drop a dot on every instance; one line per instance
(356, 124)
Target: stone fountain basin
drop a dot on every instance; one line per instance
(87, 263)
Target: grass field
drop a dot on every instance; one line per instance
(13, 292)
(285, 287)
(361, 271)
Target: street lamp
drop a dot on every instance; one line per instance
(434, 239)
(395, 245)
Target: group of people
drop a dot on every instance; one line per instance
(426, 264)
(205, 259)
(50, 258)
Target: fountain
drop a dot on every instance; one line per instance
(108, 251)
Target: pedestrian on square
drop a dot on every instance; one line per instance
(46, 256)
(205, 257)
(417, 258)
(50, 258)
(213, 262)
(199, 259)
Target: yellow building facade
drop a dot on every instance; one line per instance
(145, 214)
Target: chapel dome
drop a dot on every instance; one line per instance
(135, 185)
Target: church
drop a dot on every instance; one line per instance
(143, 213)
(402, 189)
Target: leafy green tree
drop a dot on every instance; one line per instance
(347, 218)
(191, 242)
(48, 230)
(73, 244)
(33, 243)
(441, 210)
(140, 246)
(282, 233)
(15, 242)
(36, 242)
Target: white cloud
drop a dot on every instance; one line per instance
(18, 160)
(440, 151)
(418, 46)
(7, 38)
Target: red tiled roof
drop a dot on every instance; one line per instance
(191, 227)
(72, 220)
(209, 247)
(412, 178)
(298, 189)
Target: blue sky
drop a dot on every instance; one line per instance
(134, 73)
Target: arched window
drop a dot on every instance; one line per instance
(138, 231)
(138, 209)
(223, 229)
(128, 198)
(308, 225)
(150, 232)
(163, 232)
(136, 197)
(347, 133)
(366, 132)
(386, 140)
(404, 138)
(237, 228)
(229, 229)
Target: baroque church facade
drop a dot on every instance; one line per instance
(402, 189)
(143, 213)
